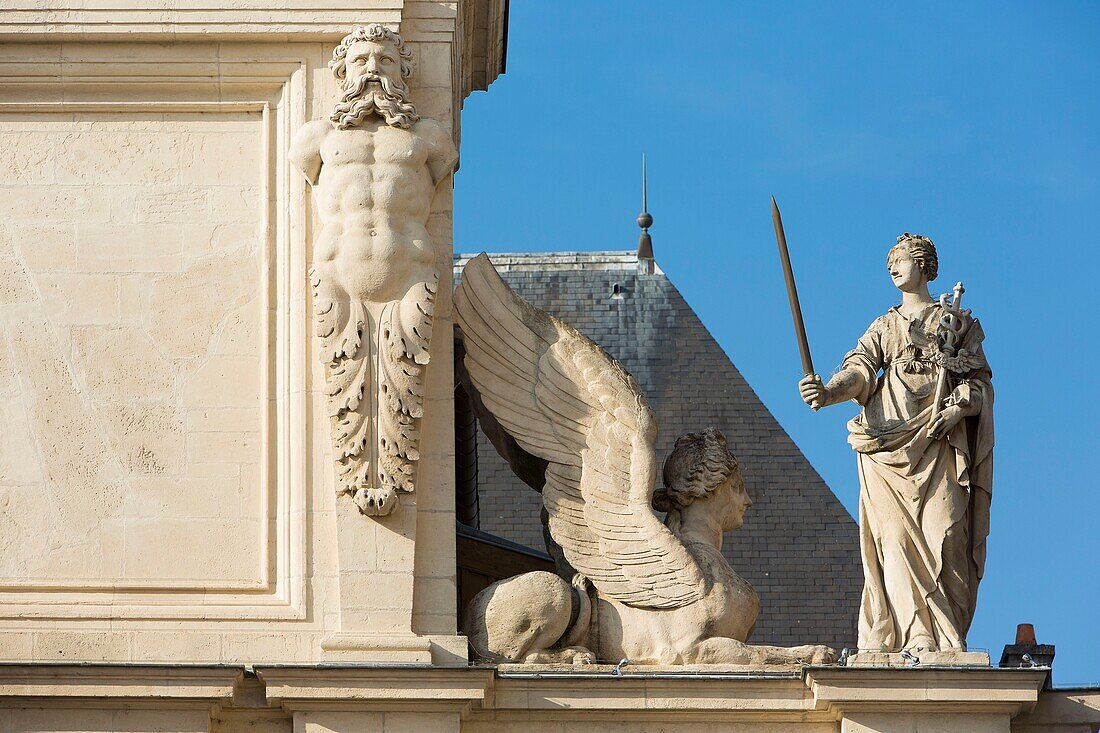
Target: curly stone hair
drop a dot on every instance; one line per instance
(698, 464)
(923, 252)
(374, 32)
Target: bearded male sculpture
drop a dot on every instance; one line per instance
(374, 166)
(631, 586)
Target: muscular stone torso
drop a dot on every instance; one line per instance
(376, 193)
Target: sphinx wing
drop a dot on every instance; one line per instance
(568, 402)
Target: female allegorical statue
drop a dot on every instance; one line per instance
(925, 469)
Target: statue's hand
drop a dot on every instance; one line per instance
(813, 391)
(947, 419)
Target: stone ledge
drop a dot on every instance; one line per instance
(117, 681)
(216, 19)
(649, 671)
(783, 695)
(923, 659)
(1079, 708)
(374, 687)
(963, 690)
(437, 650)
(416, 648)
(551, 693)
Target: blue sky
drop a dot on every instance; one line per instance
(972, 123)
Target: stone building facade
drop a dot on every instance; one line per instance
(164, 497)
(172, 554)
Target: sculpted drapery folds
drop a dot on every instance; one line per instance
(374, 166)
(925, 481)
(631, 586)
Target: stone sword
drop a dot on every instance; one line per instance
(792, 295)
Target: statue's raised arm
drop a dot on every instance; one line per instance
(648, 590)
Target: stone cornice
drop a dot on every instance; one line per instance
(482, 26)
(368, 687)
(815, 694)
(130, 682)
(847, 689)
(653, 695)
(297, 20)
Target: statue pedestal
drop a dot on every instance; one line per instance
(945, 658)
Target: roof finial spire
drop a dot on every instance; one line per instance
(645, 221)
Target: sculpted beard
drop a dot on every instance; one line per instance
(389, 99)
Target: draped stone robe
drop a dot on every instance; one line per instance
(924, 504)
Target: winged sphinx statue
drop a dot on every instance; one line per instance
(576, 422)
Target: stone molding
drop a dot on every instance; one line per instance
(406, 647)
(219, 19)
(479, 29)
(491, 697)
(409, 687)
(1077, 710)
(958, 690)
(43, 682)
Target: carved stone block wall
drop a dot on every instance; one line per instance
(135, 334)
(148, 351)
(165, 481)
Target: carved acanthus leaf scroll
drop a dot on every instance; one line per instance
(375, 366)
(406, 331)
(341, 325)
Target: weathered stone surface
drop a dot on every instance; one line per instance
(121, 364)
(26, 157)
(149, 438)
(158, 492)
(128, 248)
(80, 298)
(45, 248)
(115, 322)
(15, 284)
(116, 153)
(187, 299)
(523, 616)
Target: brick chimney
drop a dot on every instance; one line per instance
(1038, 655)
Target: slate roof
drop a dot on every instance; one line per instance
(798, 547)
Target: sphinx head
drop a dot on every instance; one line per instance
(372, 63)
(702, 467)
